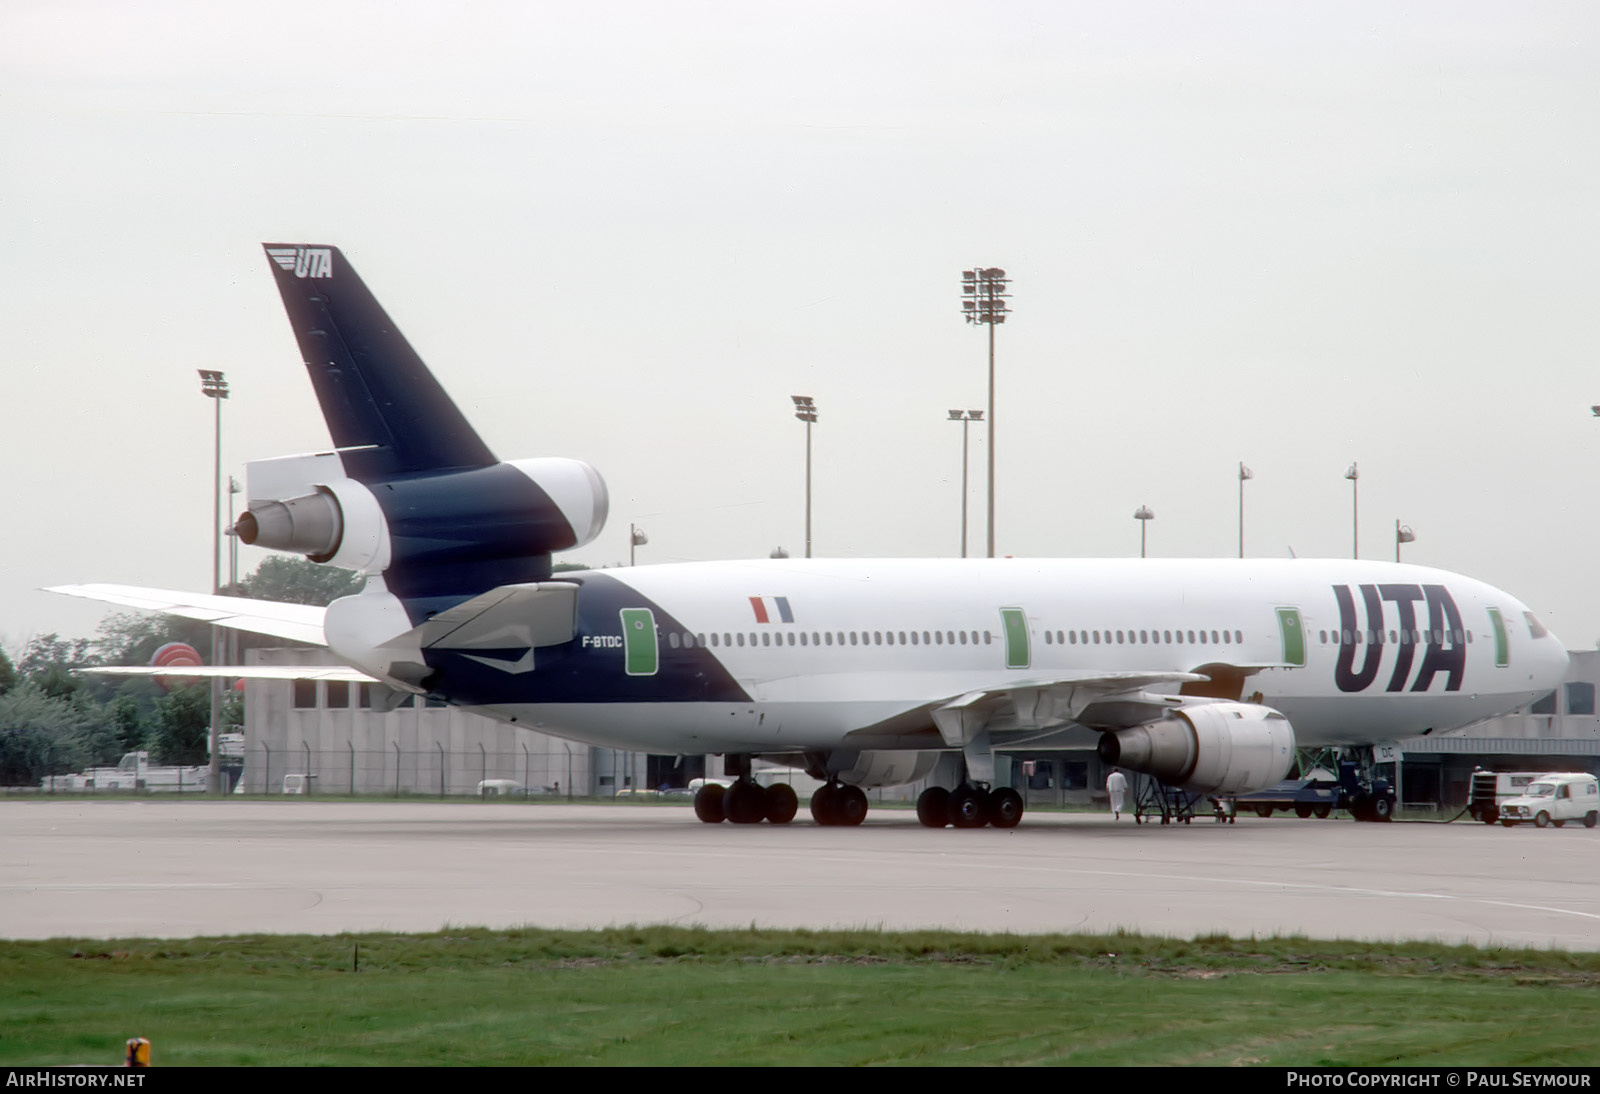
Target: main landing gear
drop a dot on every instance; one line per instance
(969, 806)
(835, 805)
(746, 802)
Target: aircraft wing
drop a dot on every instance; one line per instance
(296, 622)
(1100, 700)
(231, 672)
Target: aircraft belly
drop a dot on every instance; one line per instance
(696, 727)
(1364, 719)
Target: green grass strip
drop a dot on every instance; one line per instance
(662, 996)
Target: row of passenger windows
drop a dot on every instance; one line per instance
(1142, 638)
(678, 640)
(1404, 638)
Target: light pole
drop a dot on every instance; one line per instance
(636, 538)
(965, 417)
(215, 388)
(983, 300)
(1355, 511)
(1402, 534)
(1144, 516)
(805, 409)
(1244, 474)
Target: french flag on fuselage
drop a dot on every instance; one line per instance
(765, 606)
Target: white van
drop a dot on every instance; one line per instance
(1555, 799)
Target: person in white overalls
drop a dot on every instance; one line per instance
(1116, 786)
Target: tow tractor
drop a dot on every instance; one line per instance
(1321, 793)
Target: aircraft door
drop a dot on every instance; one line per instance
(1294, 637)
(1014, 627)
(640, 652)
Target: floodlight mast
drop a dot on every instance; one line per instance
(984, 292)
(805, 409)
(965, 417)
(214, 387)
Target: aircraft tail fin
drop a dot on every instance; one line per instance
(383, 407)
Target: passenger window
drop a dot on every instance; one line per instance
(1191, 638)
(741, 638)
(672, 639)
(1072, 637)
(766, 639)
(902, 638)
(1049, 638)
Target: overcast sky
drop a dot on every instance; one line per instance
(1294, 235)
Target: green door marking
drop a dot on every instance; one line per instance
(1014, 621)
(1294, 637)
(1502, 650)
(639, 641)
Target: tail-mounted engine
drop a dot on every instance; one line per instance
(430, 533)
(1213, 748)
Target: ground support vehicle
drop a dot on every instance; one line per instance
(1320, 795)
(1554, 800)
(1491, 789)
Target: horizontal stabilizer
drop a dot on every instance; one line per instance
(296, 622)
(246, 672)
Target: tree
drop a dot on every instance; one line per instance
(299, 581)
(43, 734)
(49, 661)
(180, 728)
(8, 673)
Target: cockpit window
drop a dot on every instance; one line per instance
(1535, 628)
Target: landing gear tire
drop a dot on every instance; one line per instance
(838, 806)
(967, 808)
(782, 804)
(822, 805)
(1004, 807)
(933, 807)
(850, 806)
(708, 803)
(745, 803)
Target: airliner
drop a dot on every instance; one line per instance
(1206, 674)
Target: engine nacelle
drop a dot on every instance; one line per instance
(1213, 748)
(877, 769)
(447, 519)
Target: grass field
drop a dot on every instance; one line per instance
(669, 996)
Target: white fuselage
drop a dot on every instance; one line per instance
(853, 654)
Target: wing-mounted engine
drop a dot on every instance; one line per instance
(1213, 748)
